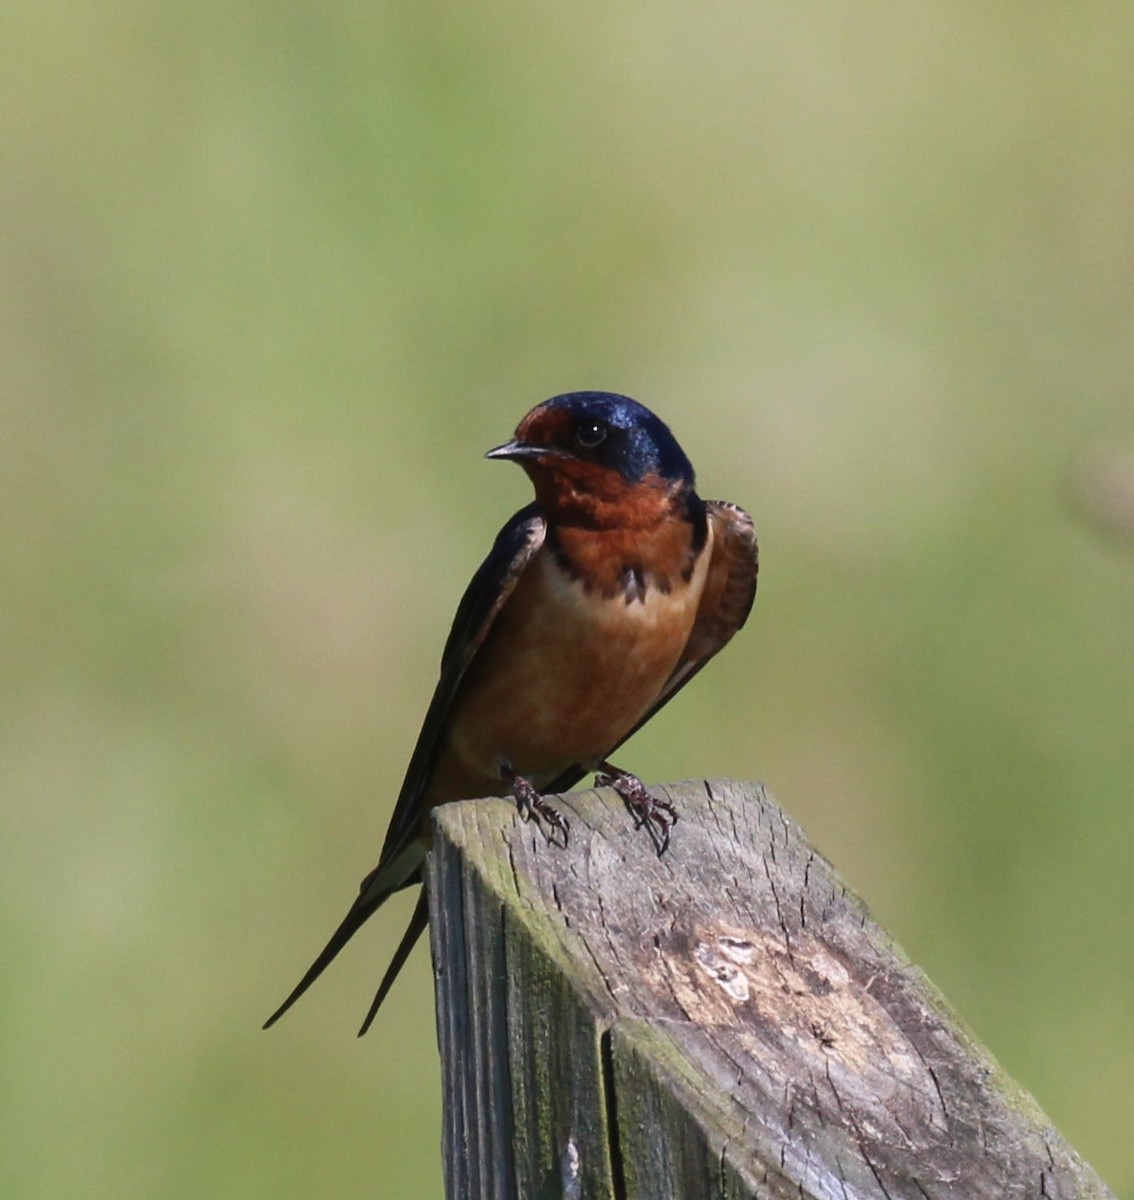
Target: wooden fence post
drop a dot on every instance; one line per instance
(726, 1021)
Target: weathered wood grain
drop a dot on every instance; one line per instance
(726, 1021)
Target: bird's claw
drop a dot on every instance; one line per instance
(655, 813)
(530, 804)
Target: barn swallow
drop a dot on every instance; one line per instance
(596, 605)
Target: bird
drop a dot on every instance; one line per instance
(597, 603)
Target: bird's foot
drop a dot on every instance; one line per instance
(530, 804)
(654, 812)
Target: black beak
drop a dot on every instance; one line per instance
(515, 450)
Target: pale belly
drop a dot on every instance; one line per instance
(564, 677)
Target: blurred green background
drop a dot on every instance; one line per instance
(274, 276)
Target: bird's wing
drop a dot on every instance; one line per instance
(730, 588)
(488, 591)
(400, 861)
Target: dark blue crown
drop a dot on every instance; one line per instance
(639, 444)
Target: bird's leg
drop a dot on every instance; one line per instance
(656, 813)
(529, 803)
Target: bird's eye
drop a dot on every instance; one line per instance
(591, 433)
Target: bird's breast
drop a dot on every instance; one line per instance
(568, 670)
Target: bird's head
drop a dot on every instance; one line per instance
(598, 458)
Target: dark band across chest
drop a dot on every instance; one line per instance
(631, 562)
